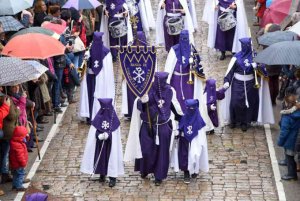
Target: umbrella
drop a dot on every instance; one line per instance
(269, 3)
(57, 28)
(10, 24)
(15, 71)
(296, 28)
(281, 53)
(33, 46)
(82, 4)
(37, 30)
(274, 37)
(12, 7)
(277, 12)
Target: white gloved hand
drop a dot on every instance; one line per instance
(145, 98)
(226, 85)
(101, 136)
(213, 107)
(87, 55)
(105, 135)
(254, 65)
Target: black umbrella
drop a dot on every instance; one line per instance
(281, 53)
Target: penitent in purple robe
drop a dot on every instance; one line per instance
(243, 92)
(171, 40)
(155, 140)
(97, 53)
(224, 39)
(189, 126)
(212, 96)
(106, 120)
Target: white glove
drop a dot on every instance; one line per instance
(145, 98)
(87, 55)
(226, 85)
(254, 65)
(103, 136)
(213, 107)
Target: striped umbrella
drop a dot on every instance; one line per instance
(37, 30)
(15, 71)
(281, 53)
(10, 24)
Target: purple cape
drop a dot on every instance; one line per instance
(192, 121)
(106, 120)
(114, 6)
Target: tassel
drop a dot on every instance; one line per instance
(156, 136)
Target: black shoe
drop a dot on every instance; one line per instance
(244, 127)
(143, 176)
(194, 176)
(29, 150)
(39, 129)
(223, 56)
(58, 110)
(232, 125)
(42, 121)
(39, 126)
(49, 114)
(63, 105)
(157, 182)
(5, 178)
(187, 178)
(112, 182)
(39, 140)
(289, 178)
(211, 132)
(102, 179)
(282, 163)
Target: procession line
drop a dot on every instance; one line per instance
(274, 162)
(43, 150)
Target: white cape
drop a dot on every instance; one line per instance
(115, 163)
(241, 30)
(188, 23)
(265, 111)
(198, 154)
(192, 9)
(133, 147)
(104, 29)
(198, 85)
(149, 13)
(104, 88)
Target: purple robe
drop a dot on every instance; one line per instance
(212, 96)
(224, 39)
(189, 126)
(107, 121)
(170, 40)
(115, 7)
(239, 112)
(156, 156)
(36, 197)
(95, 65)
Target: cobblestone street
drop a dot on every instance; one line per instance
(240, 165)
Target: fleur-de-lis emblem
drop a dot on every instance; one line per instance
(161, 102)
(105, 125)
(96, 64)
(246, 62)
(190, 130)
(112, 6)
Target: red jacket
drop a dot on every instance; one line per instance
(18, 155)
(4, 110)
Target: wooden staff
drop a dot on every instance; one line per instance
(34, 131)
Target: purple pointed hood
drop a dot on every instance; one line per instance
(192, 121)
(244, 57)
(106, 120)
(183, 48)
(98, 52)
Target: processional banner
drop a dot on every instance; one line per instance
(138, 66)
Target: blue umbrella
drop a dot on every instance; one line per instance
(277, 36)
(82, 4)
(12, 7)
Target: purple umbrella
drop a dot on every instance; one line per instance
(82, 4)
(36, 197)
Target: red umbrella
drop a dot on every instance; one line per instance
(58, 28)
(277, 12)
(33, 46)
